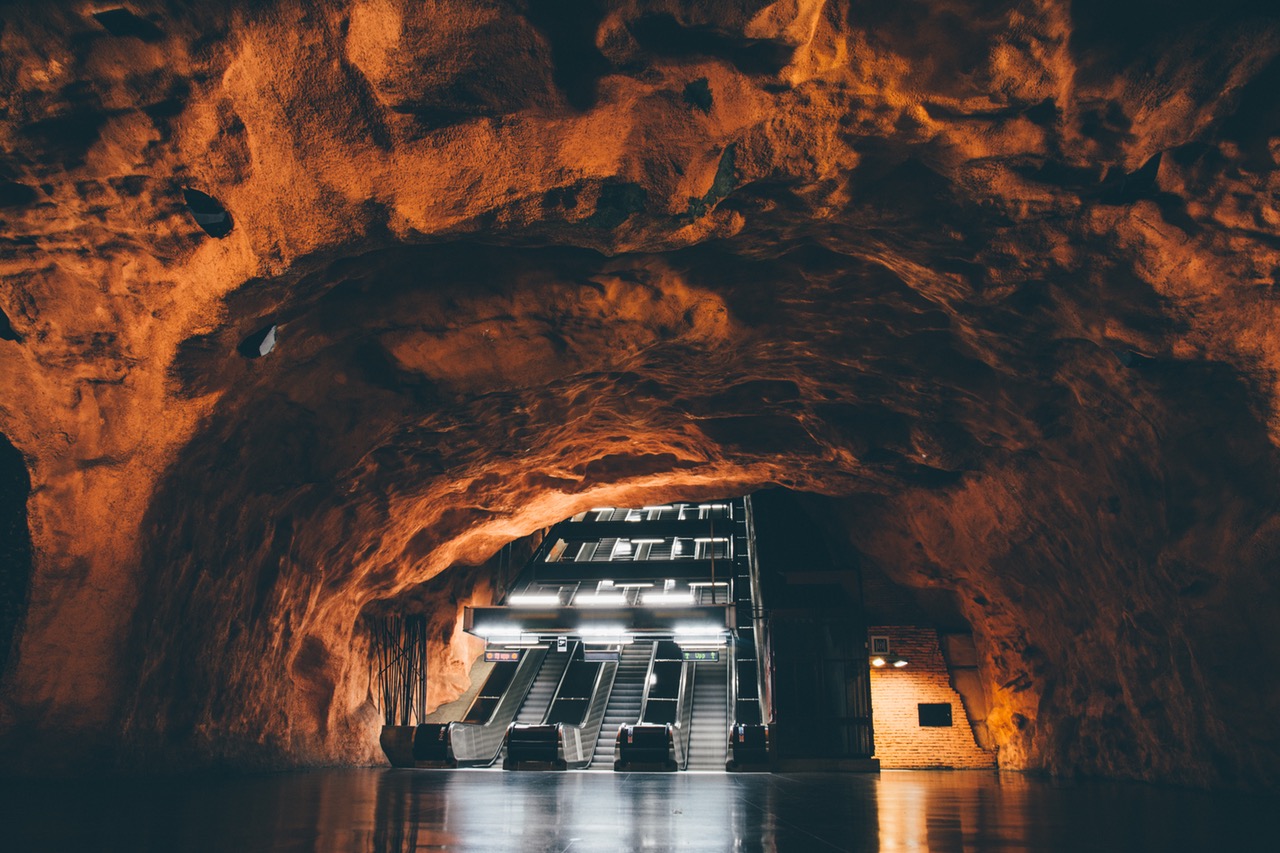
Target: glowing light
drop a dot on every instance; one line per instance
(607, 634)
(877, 661)
(900, 663)
(667, 599)
(534, 600)
(698, 635)
(697, 642)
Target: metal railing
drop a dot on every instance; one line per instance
(759, 624)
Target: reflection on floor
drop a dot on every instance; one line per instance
(403, 810)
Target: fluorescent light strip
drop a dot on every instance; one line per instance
(534, 600)
(667, 598)
(597, 634)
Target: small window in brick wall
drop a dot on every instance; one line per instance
(879, 645)
(935, 714)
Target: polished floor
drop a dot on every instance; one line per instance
(406, 810)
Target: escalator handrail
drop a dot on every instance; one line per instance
(684, 716)
(503, 714)
(731, 697)
(595, 713)
(571, 655)
(648, 680)
(731, 682)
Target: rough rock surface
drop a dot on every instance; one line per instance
(995, 278)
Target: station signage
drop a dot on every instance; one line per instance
(701, 657)
(501, 656)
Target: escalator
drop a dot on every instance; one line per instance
(544, 687)
(476, 740)
(684, 680)
(709, 728)
(624, 702)
(659, 739)
(565, 736)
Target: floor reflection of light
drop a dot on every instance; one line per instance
(381, 811)
(902, 809)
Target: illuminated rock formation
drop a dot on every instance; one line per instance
(306, 303)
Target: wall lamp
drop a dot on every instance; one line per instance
(885, 660)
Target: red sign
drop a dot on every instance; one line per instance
(499, 656)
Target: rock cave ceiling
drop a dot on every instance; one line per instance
(994, 281)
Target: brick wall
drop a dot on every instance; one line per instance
(900, 741)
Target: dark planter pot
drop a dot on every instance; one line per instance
(397, 743)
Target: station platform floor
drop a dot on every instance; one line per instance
(383, 810)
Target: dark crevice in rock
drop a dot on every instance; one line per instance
(7, 332)
(570, 28)
(616, 203)
(13, 194)
(697, 94)
(208, 213)
(1045, 113)
(1120, 188)
(121, 22)
(1128, 32)
(665, 36)
(15, 547)
(67, 138)
(1256, 120)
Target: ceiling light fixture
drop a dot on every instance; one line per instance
(529, 599)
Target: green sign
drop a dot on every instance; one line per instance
(702, 657)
